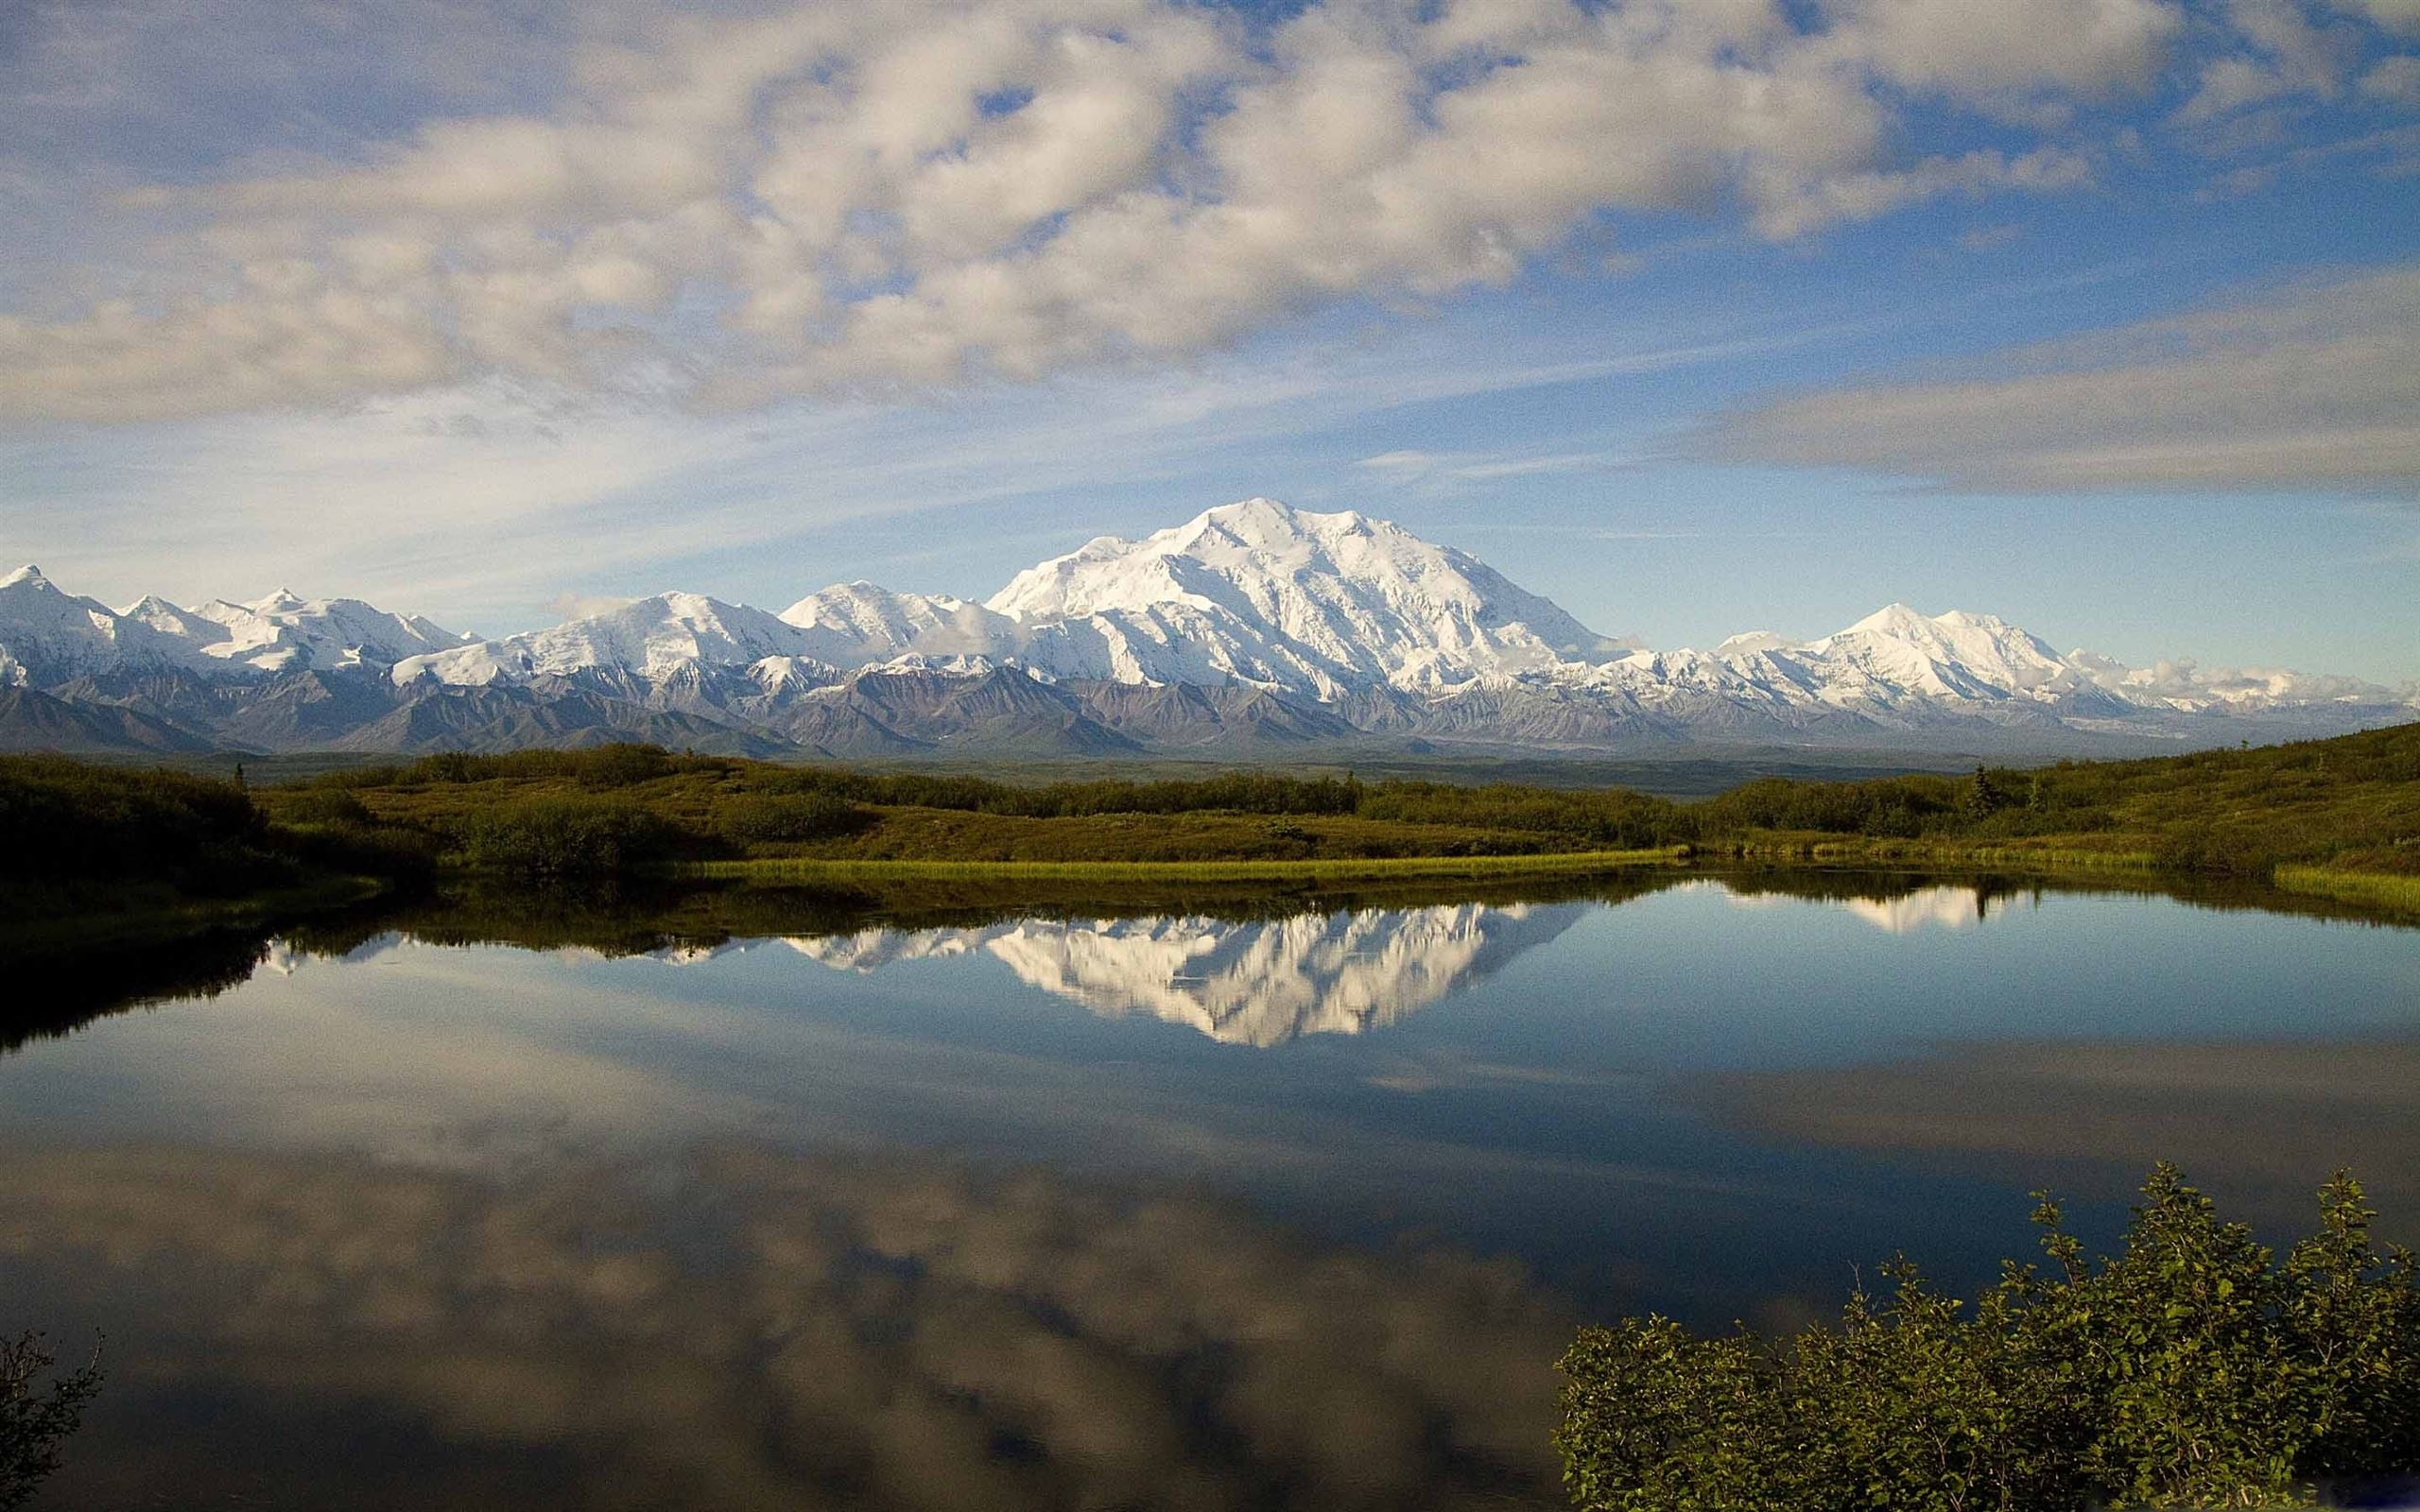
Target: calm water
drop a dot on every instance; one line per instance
(1176, 1211)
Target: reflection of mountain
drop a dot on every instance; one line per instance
(868, 950)
(1932, 908)
(1254, 984)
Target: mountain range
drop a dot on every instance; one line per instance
(1253, 629)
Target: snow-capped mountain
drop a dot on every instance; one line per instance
(1327, 605)
(853, 625)
(1251, 628)
(49, 636)
(653, 638)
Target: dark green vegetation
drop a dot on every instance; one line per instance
(2349, 805)
(1675, 777)
(95, 851)
(2194, 1369)
(35, 1417)
(116, 851)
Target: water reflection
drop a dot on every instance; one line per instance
(2264, 1119)
(1242, 966)
(1250, 984)
(734, 1326)
(1960, 907)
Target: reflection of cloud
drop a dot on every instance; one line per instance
(2255, 1123)
(1256, 984)
(1941, 907)
(743, 1328)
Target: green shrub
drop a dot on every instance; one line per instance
(555, 839)
(621, 765)
(61, 819)
(2218, 848)
(2192, 1370)
(34, 1423)
(760, 818)
(322, 806)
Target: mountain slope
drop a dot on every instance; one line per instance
(31, 721)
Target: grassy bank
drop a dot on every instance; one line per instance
(1288, 870)
(2053, 856)
(2385, 893)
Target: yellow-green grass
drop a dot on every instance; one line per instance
(1311, 870)
(2048, 855)
(2368, 890)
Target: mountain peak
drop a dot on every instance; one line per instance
(1890, 619)
(1748, 642)
(28, 575)
(1255, 508)
(1262, 522)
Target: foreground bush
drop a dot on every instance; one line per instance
(2192, 1370)
(753, 817)
(62, 819)
(35, 1420)
(553, 840)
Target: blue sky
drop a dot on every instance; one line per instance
(2102, 315)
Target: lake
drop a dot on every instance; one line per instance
(1260, 1203)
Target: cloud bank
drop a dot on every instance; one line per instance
(862, 196)
(2318, 384)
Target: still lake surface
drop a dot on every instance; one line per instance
(1191, 1209)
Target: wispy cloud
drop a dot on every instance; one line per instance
(1406, 467)
(2312, 386)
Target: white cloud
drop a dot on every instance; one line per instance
(2285, 53)
(2021, 57)
(858, 196)
(2395, 80)
(2311, 385)
(2395, 15)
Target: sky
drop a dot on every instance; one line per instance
(2099, 314)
